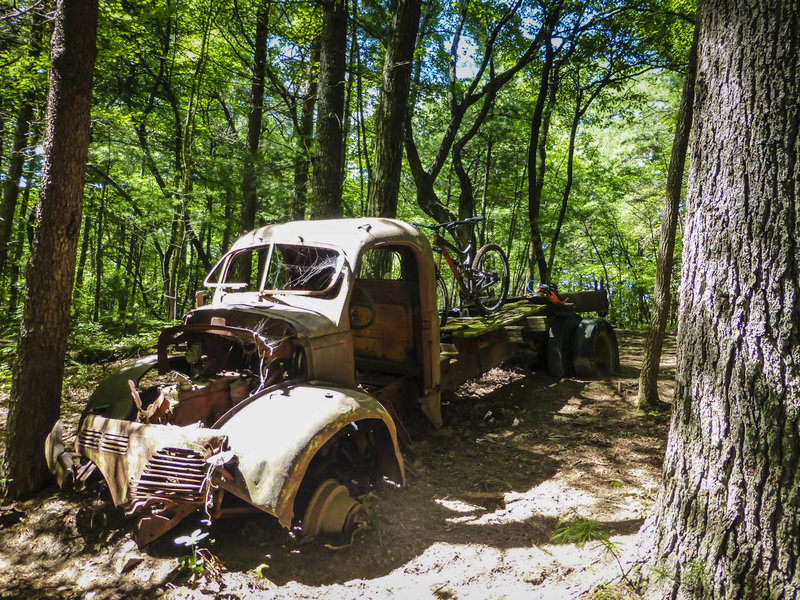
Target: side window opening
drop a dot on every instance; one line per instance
(383, 264)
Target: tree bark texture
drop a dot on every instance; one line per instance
(328, 171)
(392, 108)
(249, 180)
(727, 520)
(662, 290)
(39, 366)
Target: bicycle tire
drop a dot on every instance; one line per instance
(442, 301)
(490, 278)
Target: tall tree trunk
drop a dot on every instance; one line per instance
(248, 214)
(16, 161)
(361, 137)
(305, 137)
(466, 196)
(128, 283)
(328, 172)
(536, 162)
(39, 365)
(562, 212)
(485, 192)
(392, 108)
(727, 519)
(8, 204)
(82, 255)
(662, 292)
(99, 255)
(19, 243)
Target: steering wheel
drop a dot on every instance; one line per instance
(362, 308)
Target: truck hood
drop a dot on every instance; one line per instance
(308, 323)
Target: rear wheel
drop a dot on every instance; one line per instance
(560, 334)
(490, 278)
(595, 349)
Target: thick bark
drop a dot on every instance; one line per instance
(727, 520)
(392, 108)
(328, 172)
(39, 366)
(662, 291)
(249, 182)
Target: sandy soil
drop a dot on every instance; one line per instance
(520, 454)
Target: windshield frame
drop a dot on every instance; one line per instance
(224, 264)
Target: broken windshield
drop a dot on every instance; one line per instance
(279, 268)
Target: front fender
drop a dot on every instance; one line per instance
(112, 397)
(275, 437)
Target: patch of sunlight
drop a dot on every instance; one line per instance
(549, 499)
(458, 506)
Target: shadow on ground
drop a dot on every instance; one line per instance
(519, 452)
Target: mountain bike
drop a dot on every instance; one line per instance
(481, 281)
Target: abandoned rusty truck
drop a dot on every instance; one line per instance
(289, 390)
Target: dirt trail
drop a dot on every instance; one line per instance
(519, 453)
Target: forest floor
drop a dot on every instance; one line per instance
(520, 456)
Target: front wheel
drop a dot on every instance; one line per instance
(490, 278)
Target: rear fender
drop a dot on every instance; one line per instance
(276, 436)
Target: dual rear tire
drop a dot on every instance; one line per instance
(586, 347)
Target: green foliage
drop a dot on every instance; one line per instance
(8, 351)
(578, 530)
(194, 561)
(94, 342)
(170, 124)
(261, 570)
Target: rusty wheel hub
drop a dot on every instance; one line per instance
(331, 510)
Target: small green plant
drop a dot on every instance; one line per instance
(195, 561)
(261, 570)
(579, 530)
(697, 575)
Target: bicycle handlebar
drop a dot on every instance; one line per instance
(450, 225)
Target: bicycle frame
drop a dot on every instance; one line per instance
(487, 286)
(441, 245)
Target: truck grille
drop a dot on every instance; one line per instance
(113, 442)
(93, 439)
(175, 474)
(90, 438)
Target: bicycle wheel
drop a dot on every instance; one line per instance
(442, 303)
(490, 278)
